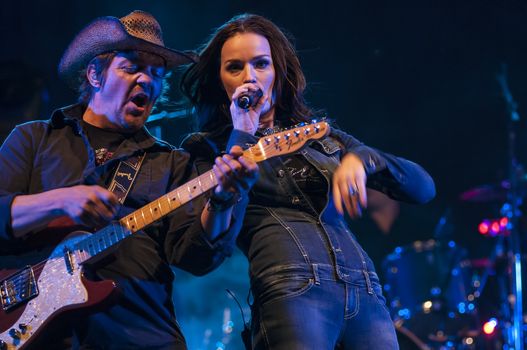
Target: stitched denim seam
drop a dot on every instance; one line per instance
(299, 292)
(285, 278)
(332, 239)
(364, 265)
(380, 302)
(357, 304)
(291, 233)
(284, 269)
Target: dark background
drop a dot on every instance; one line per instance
(414, 78)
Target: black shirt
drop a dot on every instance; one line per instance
(103, 142)
(44, 155)
(308, 179)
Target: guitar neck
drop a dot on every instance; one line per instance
(112, 234)
(164, 205)
(273, 145)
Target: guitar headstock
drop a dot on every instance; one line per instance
(288, 141)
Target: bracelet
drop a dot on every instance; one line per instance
(219, 204)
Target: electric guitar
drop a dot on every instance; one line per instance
(41, 286)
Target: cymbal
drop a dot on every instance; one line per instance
(486, 193)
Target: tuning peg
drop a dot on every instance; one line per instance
(267, 140)
(15, 333)
(317, 128)
(277, 138)
(23, 327)
(287, 136)
(297, 133)
(3, 345)
(307, 130)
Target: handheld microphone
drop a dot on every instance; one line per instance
(249, 99)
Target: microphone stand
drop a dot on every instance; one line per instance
(511, 209)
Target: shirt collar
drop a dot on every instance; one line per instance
(72, 115)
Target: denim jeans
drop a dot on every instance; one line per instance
(301, 309)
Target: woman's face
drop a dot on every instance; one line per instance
(246, 58)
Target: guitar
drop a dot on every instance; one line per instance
(41, 286)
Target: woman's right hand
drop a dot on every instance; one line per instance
(248, 119)
(349, 186)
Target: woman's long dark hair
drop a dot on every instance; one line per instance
(201, 82)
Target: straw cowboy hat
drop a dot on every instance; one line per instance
(138, 30)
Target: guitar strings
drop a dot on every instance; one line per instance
(18, 280)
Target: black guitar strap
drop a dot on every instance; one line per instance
(125, 175)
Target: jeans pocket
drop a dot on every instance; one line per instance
(282, 288)
(377, 292)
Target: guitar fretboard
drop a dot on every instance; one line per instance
(270, 146)
(144, 216)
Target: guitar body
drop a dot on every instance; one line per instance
(61, 290)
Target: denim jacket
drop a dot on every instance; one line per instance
(283, 234)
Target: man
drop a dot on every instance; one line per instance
(62, 168)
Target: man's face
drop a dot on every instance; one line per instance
(129, 90)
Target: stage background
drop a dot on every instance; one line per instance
(414, 78)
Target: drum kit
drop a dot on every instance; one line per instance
(467, 293)
(444, 294)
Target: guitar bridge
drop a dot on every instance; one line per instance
(18, 288)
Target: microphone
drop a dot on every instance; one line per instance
(249, 99)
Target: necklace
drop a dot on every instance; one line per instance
(270, 130)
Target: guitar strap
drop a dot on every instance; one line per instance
(125, 175)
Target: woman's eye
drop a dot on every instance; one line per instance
(234, 67)
(261, 64)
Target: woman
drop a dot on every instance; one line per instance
(313, 285)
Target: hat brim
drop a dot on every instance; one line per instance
(106, 34)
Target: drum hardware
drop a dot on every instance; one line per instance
(438, 295)
(491, 192)
(513, 311)
(410, 337)
(432, 295)
(504, 261)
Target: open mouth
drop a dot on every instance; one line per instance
(140, 100)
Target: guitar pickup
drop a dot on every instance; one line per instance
(68, 259)
(18, 288)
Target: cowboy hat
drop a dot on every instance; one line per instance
(138, 30)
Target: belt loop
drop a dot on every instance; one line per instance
(315, 274)
(368, 282)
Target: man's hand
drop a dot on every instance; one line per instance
(91, 206)
(235, 173)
